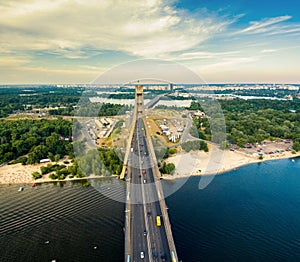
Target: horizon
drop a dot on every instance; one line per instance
(58, 85)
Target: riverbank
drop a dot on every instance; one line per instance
(215, 162)
(21, 174)
(194, 163)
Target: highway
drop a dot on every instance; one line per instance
(145, 235)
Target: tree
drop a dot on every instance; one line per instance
(241, 142)
(36, 175)
(53, 176)
(296, 146)
(172, 151)
(167, 168)
(194, 131)
(56, 157)
(170, 168)
(51, 156)
(52, 142)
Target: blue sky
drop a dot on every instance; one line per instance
(223, 41)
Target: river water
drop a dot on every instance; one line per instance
(249, 214)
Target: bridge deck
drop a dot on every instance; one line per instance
(144, 239)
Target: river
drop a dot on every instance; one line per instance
(249, 214)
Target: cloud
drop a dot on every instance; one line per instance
(205, 55)
(271, 26)
(15, 73)
(228, 64)
(268, 51)
(262, 26)
(141, 28)
(10, 61)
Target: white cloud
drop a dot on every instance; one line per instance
(142, 28)
(263, 25)
(205, 55)
(228, 64)
(268, 51)
(271, 26)
(286, 29)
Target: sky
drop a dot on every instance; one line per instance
(222, 41)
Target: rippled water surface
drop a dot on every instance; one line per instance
(66, 222)
(250, 214)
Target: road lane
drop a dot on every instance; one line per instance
(142, 196)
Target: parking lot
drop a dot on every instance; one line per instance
(268, 148)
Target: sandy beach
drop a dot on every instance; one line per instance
(20, 174)
(216, 161)
(194, 163)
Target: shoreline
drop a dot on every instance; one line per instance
(195, 163)
(44, 181)
(226, 166)
(19, 174)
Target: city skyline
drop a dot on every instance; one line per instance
(222, 41)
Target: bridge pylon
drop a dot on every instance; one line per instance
(139, 109)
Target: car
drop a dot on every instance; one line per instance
(142, 254)
(148, 213)
(144, 172)
(145, 181)
(145, 232)
(154, 254)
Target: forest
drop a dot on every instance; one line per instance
(89, 109)
(35, 140)
(251, 121)
(14, 99)
(268, 92)
(99, 162)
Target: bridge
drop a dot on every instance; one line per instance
(148, 234)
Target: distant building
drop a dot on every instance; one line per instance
(289, 97)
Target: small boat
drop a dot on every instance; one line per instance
(293, 160)
(20, 189)
(34, 185)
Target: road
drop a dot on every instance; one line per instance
(186, 133)
(154, 101)
(141, 193)
(186, 136)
